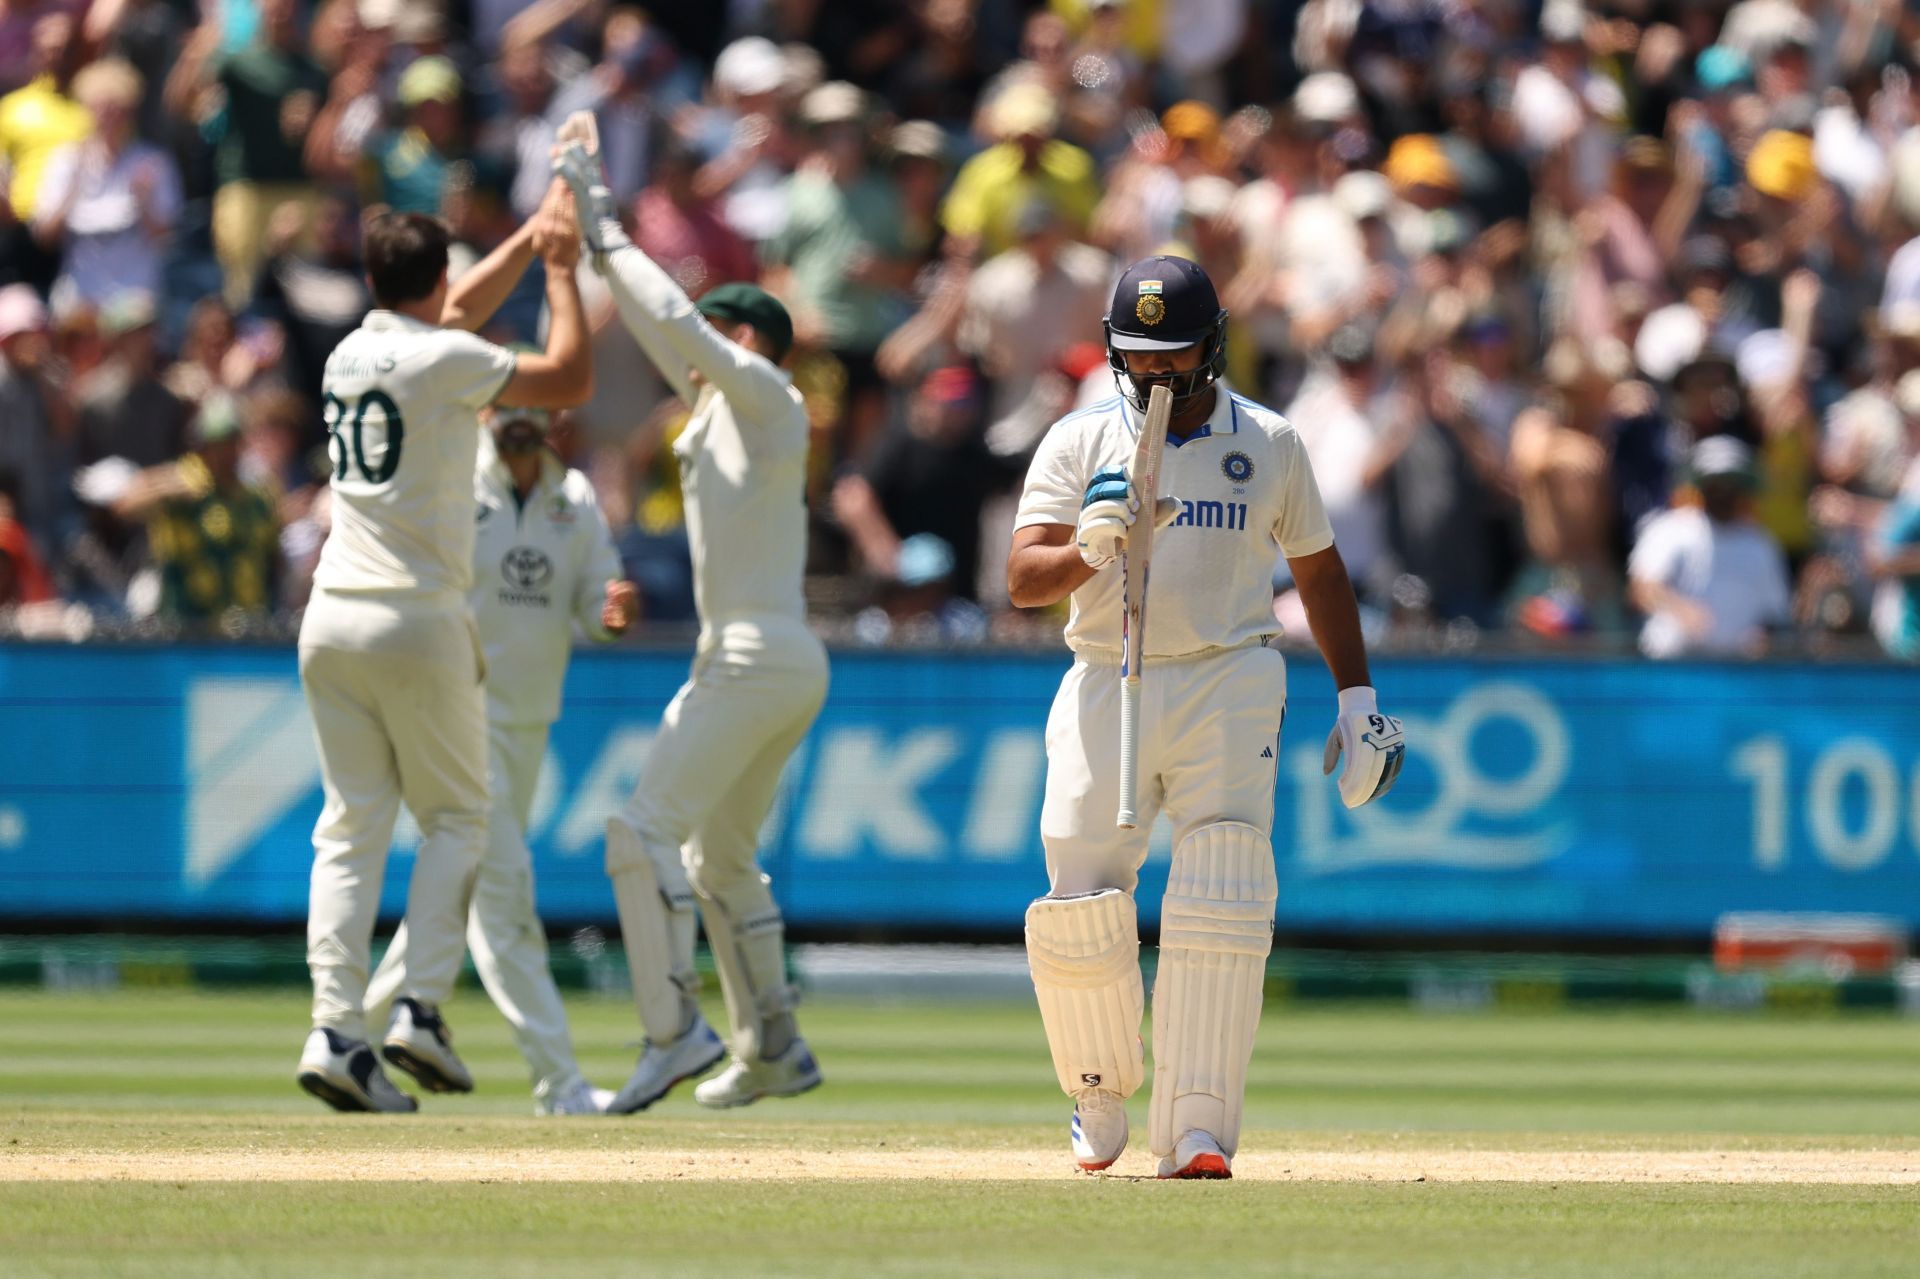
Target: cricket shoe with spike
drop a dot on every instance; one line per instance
(346, 1075)
(744, 1082)
(574, 1097)
(419, 1042)
(1099, 1129)
(661, 1066)
(1196, 1157)
(576, 159)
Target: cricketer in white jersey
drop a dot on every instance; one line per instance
(690, 832)
(389, 658)
(1212, 699)
(544, 565)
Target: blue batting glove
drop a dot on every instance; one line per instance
(1108, 486)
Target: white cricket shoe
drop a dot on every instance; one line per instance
(661, 1066)
(575, 1097)
(346, 1075)
(1099, 1128)
(743, 1082)
(576, 159)
(1197, 1156)
(421, 1044)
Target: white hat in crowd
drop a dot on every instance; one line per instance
(749, 67)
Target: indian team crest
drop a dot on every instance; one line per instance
(1150, 309)
(1237, 466)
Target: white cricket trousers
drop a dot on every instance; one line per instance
(398, 712)
(710, 778)
(504, 933)
(1209, 747)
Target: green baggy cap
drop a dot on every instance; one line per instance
(741, 303)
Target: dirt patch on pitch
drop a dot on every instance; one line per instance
(1842, 1167)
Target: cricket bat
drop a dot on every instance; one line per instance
(1134, 562)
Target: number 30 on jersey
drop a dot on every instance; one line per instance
(347, 436)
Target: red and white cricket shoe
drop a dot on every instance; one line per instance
(1196, 1157)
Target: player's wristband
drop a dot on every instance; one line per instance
(1358, 700)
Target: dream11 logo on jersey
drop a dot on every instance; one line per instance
(1468, 820)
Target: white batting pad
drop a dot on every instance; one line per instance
(748, 939)
(1084, 953)
(655, 902)
(1216, 927)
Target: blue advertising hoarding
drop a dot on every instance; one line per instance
(1541, 796)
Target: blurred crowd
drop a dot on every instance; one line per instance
(1600, 320)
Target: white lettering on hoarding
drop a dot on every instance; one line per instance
(1006, 795)
(867, 787)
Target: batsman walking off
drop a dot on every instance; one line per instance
(1213, 696)
(690, 832)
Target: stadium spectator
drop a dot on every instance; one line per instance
(1895, 563)
(684, 233)
(929, 474)
(1026, 160)
(1345, 424)
(919, 603)
(920, 175)
(745, 131)
(32, 448)
(37, 121)
(1444, 484)
(315, 293)
(214, 536)
(270, 92)
(1560, 472)
(1109, 78)
(108, 204)
(1026, 306)
(840, 261)
(278, 458)
(23, 577)
(1710, 580)
(408, 169)
(148, 34)
(126, 411)
(635, 87)
(518, 139)
(212, 356)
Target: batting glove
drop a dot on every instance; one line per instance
(1108, 511)
(1375, 746)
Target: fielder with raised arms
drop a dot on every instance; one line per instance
(1212, 700)
(544, 564)
(389, 658)
(690, 832)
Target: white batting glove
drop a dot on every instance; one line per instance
(1109, 510)
(1375, 746)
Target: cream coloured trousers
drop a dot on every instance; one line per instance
(398, 713)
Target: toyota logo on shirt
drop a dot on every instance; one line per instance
(526, 570)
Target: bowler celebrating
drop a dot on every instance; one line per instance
(1213, 697)
(690, 832)
(389, 658)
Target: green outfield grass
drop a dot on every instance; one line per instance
(163, 1102)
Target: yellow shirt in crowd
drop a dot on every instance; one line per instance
(36, 122)
(992, 188)
(1142, 23)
